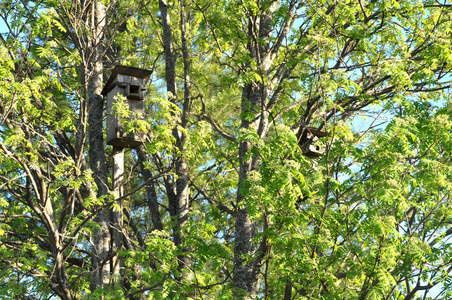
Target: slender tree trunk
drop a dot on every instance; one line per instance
(245, 274)
(181, 162)
(288, 291)
(61, 274)
(178, 203)
(101, 238)
(170, 60)
(116, 214)
(151, 194)
(255, 96)
(63, 287)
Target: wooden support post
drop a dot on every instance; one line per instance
(116, 214)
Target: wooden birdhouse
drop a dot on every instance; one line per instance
(307, 142)
(129, 82)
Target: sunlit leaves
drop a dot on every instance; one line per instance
(366, 220)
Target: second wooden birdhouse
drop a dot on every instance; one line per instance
(307, 142)
(129, 82)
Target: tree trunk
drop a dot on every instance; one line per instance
(116, 214)
(181, 163)
(101, 238)
(151, 194)
(245, 274)
(255, 97)
(179, 202)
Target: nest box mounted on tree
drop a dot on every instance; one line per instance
(310, 135)
(129, 82)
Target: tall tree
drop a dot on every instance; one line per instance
(224, 200)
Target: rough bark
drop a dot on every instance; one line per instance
(179, 202)
(181, 162)
(254, 100)
(151, 195)
(101, 237)
(170, 60)
(246, 273)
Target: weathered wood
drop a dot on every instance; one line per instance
(116, 219)
(310, 135)
(129, 82)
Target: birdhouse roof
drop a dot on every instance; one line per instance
(320, 133)
(126, 70)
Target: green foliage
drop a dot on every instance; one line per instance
(367, 219)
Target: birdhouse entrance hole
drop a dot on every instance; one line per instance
(129, 82)
(309, 136)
